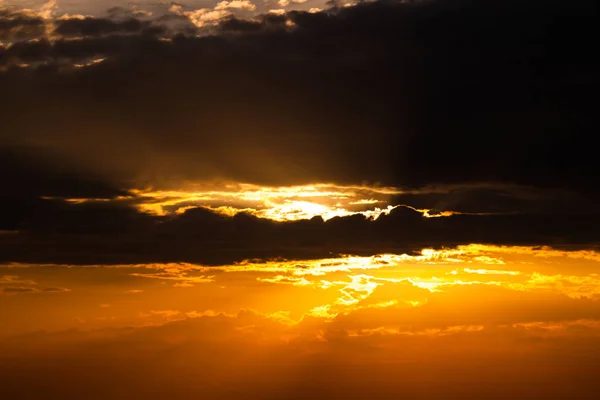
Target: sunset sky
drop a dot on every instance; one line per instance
(299, 199)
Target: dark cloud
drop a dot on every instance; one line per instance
(401, 93)
(14, 290)
(408, 94)
(498, 199)
(31, 171)
(98, 27)
(106, 233)
(19, 26)
(235, 25)
(30, 174)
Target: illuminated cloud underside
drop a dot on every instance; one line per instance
(276, 203)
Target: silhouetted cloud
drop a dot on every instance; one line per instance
(90, 26)
(240, 200)
(486, 97)
(421, 93)
(15, 25)
(117, 233)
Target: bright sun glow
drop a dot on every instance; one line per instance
(286, 203)
(276, 203)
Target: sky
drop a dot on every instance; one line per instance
(299, 199)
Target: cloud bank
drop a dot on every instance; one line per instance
(478, 320)
(475, 112)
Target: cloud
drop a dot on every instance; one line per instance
(393, 199)
(465, 321)
(14, 279)
(239, 350)
(183, 284)
(457, 104)
(238, 4)
(48, 9)
(205, 16)
(12, 290)
(19, 26)
(285, 3)
(414, 107)
(90, 27)
(54, 290)
(12, 285)
(116, 232)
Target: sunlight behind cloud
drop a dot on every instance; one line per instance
(276, 203)
(279, 203)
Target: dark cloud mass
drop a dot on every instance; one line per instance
(87, 234)
(98, 27)
(406, 94)
(17, 26)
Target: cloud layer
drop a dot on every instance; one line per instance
(447, 91)
(478, 320)
(242, 200)
(474, 113)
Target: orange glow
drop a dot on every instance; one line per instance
(350, 282)
(284, 203)
(276, 203)
(484, 300)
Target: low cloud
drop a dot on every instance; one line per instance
(14, 290)
(106, 233)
